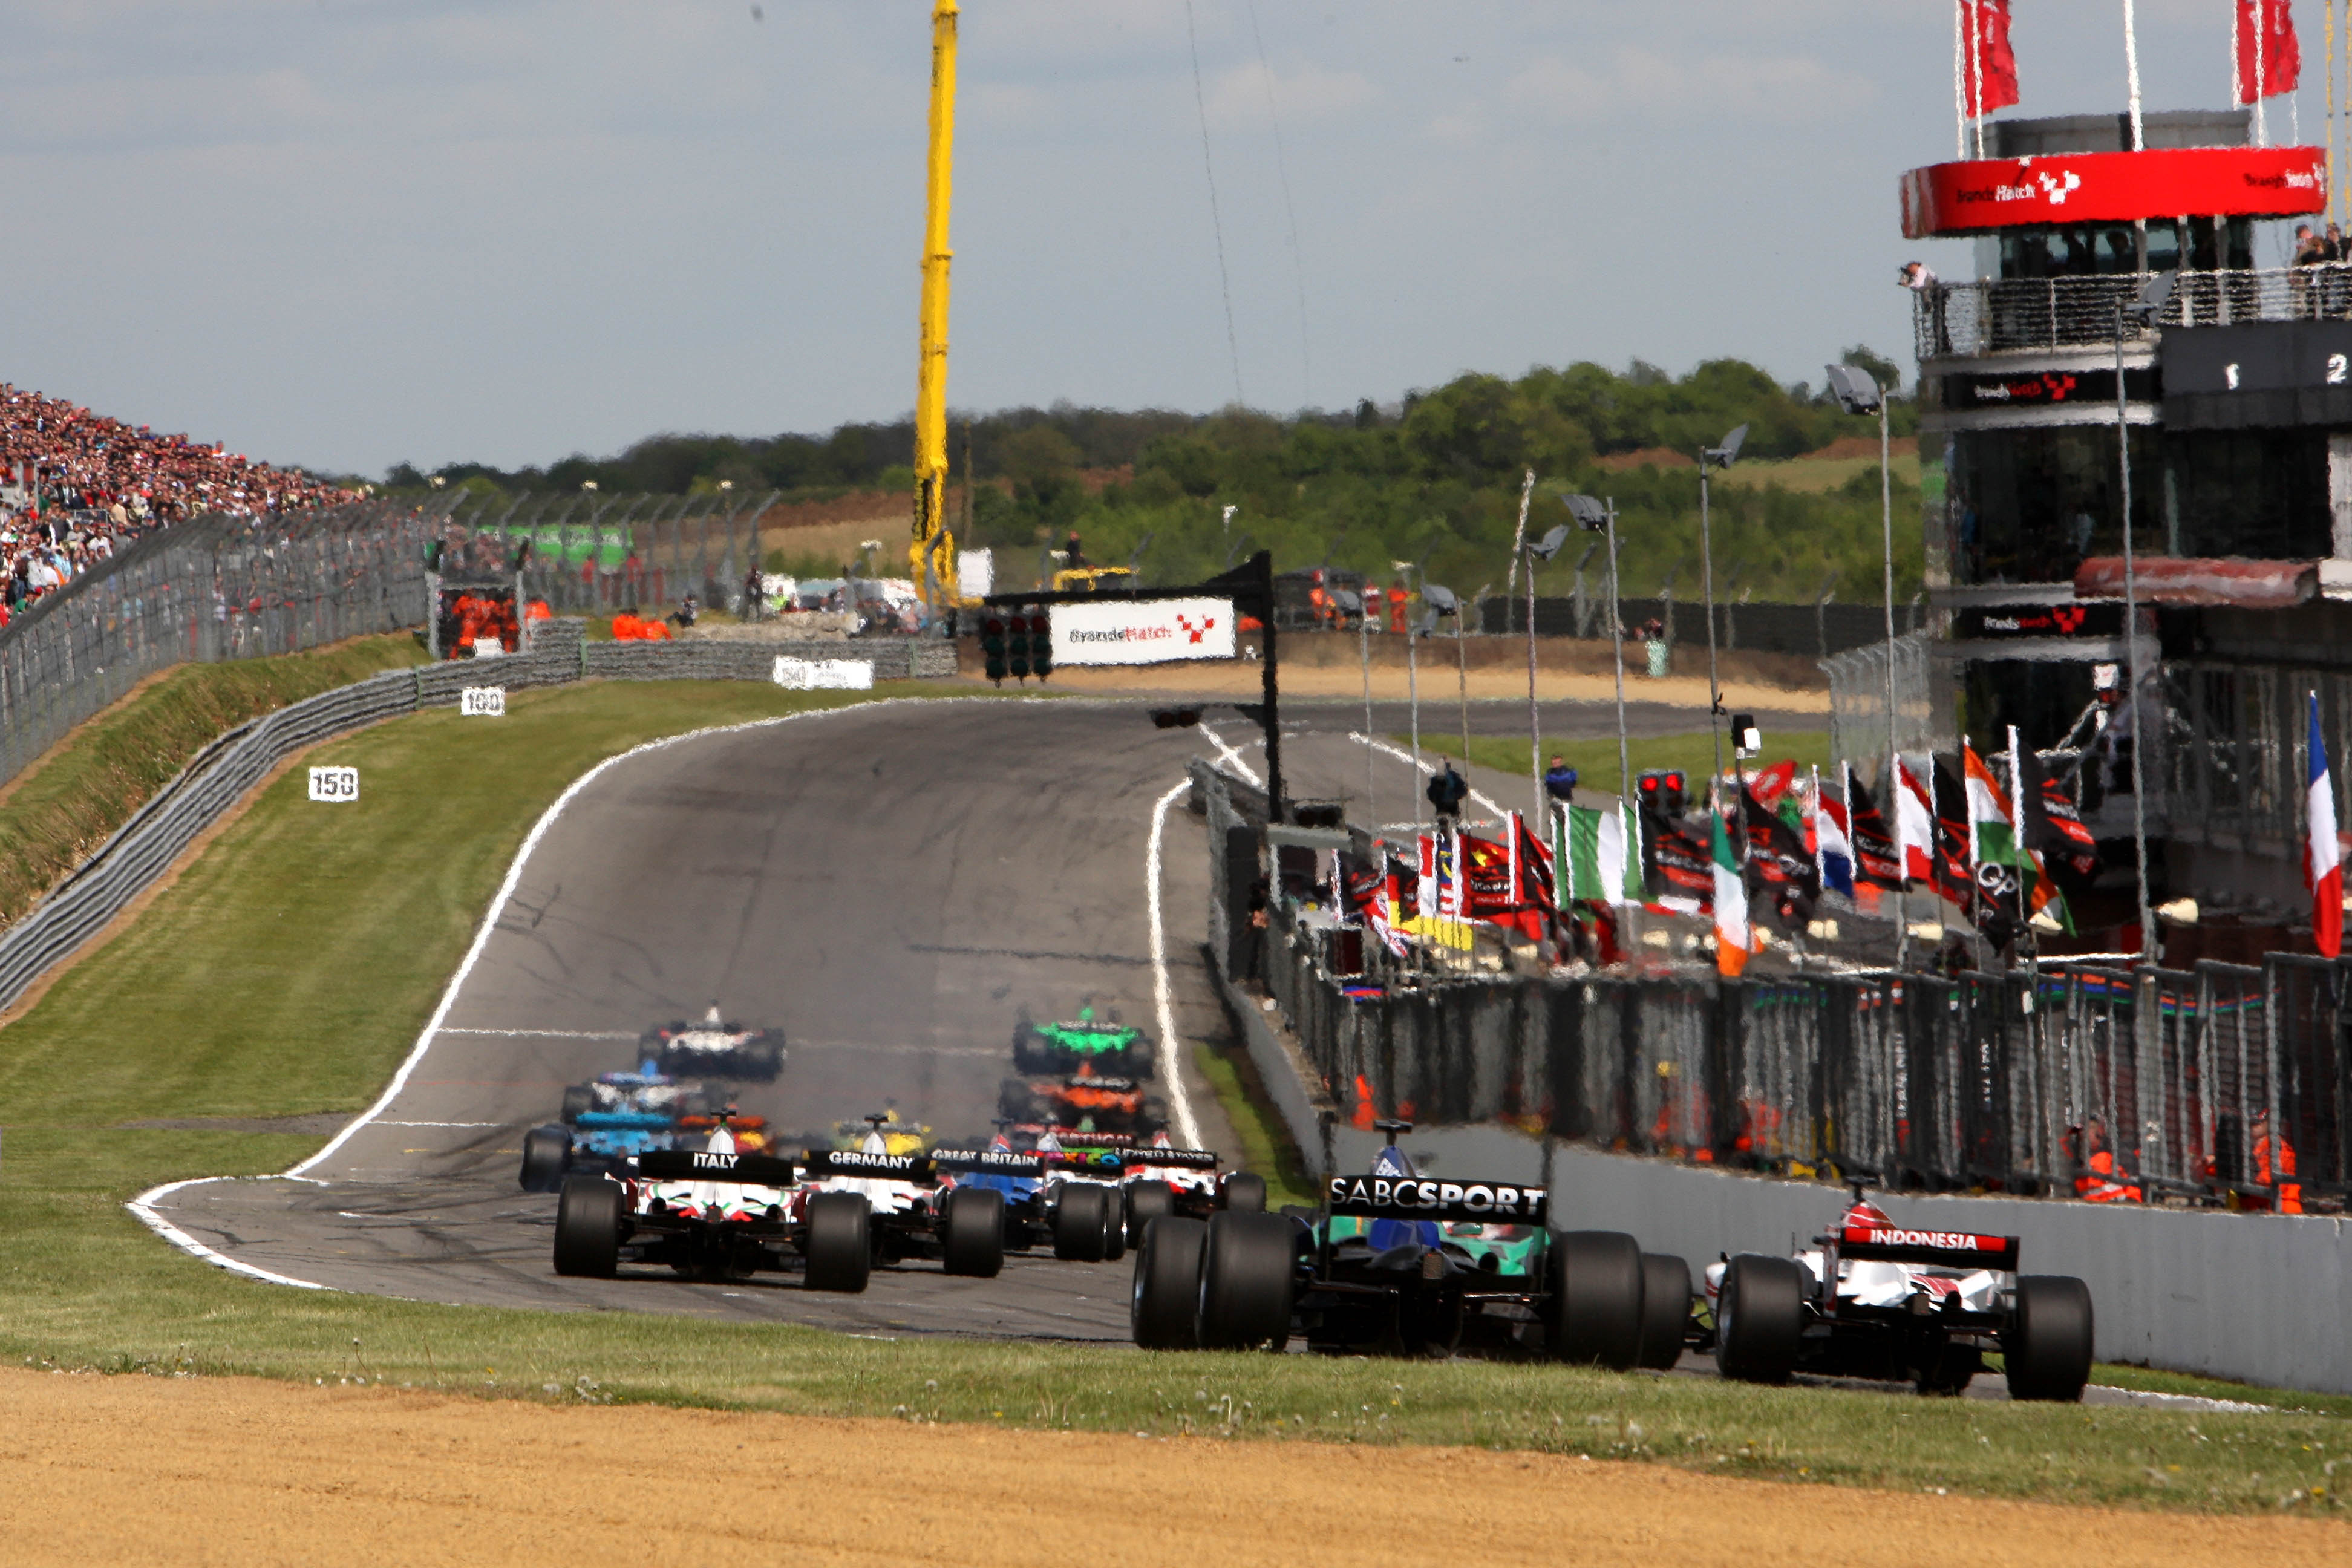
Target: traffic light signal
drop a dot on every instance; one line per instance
(992, 648)
(1661, 791)
(1018, 650)
(1040, 643)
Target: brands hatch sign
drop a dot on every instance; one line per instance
(1981, 195)
(1143, 631)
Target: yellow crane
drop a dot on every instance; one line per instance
(932, 554)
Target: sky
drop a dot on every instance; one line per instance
(352, 233)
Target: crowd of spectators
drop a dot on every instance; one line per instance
(75, 487)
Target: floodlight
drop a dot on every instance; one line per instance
(1855, 388)
(1723, 457)
(1439, 598)
(1428, 626)
(1549, 546)
(1587, 511)
(1348, 600)
(2152, 298)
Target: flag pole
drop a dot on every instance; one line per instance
(2131, 648)
(2131, 73)
(1959, 81)
(1893, 781)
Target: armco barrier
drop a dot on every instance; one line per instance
(144, 848)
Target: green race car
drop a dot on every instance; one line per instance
(1112, 1049)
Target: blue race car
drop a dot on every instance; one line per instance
(618, 1117)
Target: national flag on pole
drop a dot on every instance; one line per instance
(1993, 836)
(1600, 855)
(1733, 939)
(2270, 61)
(1989, 65)
(1877, 858)
(1915, 825)
(1832, 851)
(2322, 858)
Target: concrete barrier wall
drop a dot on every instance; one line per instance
(2261, 1298)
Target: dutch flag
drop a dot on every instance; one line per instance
(2322, 861)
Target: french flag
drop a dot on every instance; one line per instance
(2323, 859)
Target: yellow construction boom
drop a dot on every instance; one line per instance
(932, 553)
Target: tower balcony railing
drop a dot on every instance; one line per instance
(2026, 315)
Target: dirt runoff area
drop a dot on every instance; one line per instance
(223, 1470)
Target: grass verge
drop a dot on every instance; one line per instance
(246, 990)
(86, 786)
(1266, 1144)
(1596, 761)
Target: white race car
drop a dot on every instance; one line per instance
(713, 1047)
(1873, 1299)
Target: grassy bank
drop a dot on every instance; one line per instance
(84, 787)
(292, 965)
(1596, 761)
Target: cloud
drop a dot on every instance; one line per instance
(1639, 81)
(1238, 98)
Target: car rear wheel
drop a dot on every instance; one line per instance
(1168, 1283)
(1245, 1281)
(1666, 1310)
(839, 1245)
(971, 1232)
(1593, 1304)
(1760, 1316)
(1079, 1223)
(1245, 1193)
(588, 1228)
(2046, 1346)
(545, 1151)
(1147, 1201)
(577, 1098)
(1114, 1225)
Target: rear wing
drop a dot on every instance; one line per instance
(872, 1168)
(986, 1163)
(1171, 1159)
(699, 1166)
(1949, 1248)
(1422, 1197)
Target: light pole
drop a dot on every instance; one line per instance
(1543, 549)
(1600, 516)
(1721, 456)
(1442, 600)
(2145, 307)
(1860, 393)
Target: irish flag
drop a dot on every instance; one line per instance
(2322, 858)
(1994, 839)
(1733, 940)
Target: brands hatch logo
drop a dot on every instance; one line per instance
(2048, 187)
(2051, 387)
(1208, 624)
(2058, 186)
(2066, 619)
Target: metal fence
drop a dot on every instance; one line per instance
(214, 588)
(2005, 1082)
(591, 552)
(1858, 702)
(2000, 315)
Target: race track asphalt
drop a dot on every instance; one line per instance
(889, 885)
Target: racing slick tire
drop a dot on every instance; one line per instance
(1114, 1225)
(1168, 1284)
(763, 1058)
(1592, 1297)
(839, 1245)
(971, 1232)
(2046, 1346)
(1759, 1316)
(1016, 1102)
(546, 1151)
(577, 1098)
(1247, 1263)
(1081, 1223)
(1026, 1056)
(1665, 1310)
(1245, 1193)
(588, 1228)
(1147, 1201)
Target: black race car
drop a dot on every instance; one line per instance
(715, 1046)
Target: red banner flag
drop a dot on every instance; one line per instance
(2270, 61)
(1988, 69)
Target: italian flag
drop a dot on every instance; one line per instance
(1600, 852)
(1734, 941)
(1995, 836)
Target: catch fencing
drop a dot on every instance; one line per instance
(591, 552)
(212, 589)
(1815, 631)
(2002, 1082)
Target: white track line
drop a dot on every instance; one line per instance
(546, 1034)
(1171, 1069)
(1230, 756)
(143, 1206)
(1406, 758)
(449, 1124)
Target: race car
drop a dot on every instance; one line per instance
(618, 1116)
(716, 1047)
(1158, 1179)
(1401, 1263)
(1873, 1299)
(1067, 1199)
(898, 1137)
(908, 1206)
(1082, 1101)
(1110, 1046)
